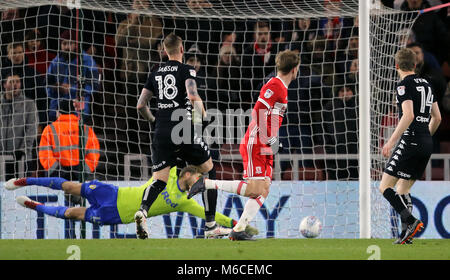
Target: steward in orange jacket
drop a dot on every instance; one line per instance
(59, 149)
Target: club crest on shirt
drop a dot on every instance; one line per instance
(193, 73)
(401, 90)
(268, 93)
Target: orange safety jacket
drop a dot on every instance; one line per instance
(59, 145)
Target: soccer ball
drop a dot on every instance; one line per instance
(310, 227)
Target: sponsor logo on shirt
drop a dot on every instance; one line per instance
(422, 119)
(168, 201)
(268, 93)
(401, 90)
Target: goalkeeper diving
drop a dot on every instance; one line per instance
(109, 204)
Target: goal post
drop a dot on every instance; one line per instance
(334, 125)
(364, 120)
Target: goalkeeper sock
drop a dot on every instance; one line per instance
(399, 206)
(237, 187)
(210, 201)
(250, 210)
(49, 182)
(55, 211)
(150, 195)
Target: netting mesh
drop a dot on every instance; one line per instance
(232, 44)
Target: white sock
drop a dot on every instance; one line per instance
(237, 187)
(210, 224)
(250, 210)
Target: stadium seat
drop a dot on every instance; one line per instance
(229, 149)
(304, 173)
(437, 174)
(228, 171)
(445, 147)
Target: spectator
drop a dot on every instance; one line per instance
(36, 53)
(59, 148)
(303, 31)
(433, 76)
(428, 28)
(225, 81)
(12, 25)
(195, 57)
(18, 125)
(67, 81)
(345, 58)
(229, 38)
(316, 57)
(32, 83)
(407, 37)
(341, 133)
(135, 38)
(446, 99)
(352, 76)
(258, 60)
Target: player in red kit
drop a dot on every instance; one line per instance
(259, 145)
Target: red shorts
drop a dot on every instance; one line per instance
(256, 165)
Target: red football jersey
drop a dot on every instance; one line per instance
(270, 106)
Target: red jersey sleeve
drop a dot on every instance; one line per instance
(270, 108)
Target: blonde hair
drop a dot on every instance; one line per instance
(172, 44)
(227, 49)
(189, 169)
(406, 59)
(286, 61)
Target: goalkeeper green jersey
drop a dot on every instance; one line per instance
(171, 199)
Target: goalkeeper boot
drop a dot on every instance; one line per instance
(13, 184)
(411, 230)
(27, 202)
(197, 187)
(240, 236)
(216, 232)
(141, 225)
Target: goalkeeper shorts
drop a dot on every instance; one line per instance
(102, 200)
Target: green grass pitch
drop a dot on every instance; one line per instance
(224, 249)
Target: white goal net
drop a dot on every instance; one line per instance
(232, 45)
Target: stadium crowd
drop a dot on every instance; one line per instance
(233, 58)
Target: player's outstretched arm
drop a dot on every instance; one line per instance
(406, 119)
(142, 105)
(194, 97)
(435, 118)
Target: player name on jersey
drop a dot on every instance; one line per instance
(168, 69)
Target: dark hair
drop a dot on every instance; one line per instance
(188, 169)
(33, 34)
(172, 43)
(262, 24)
(415, 44)
(65, 107)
